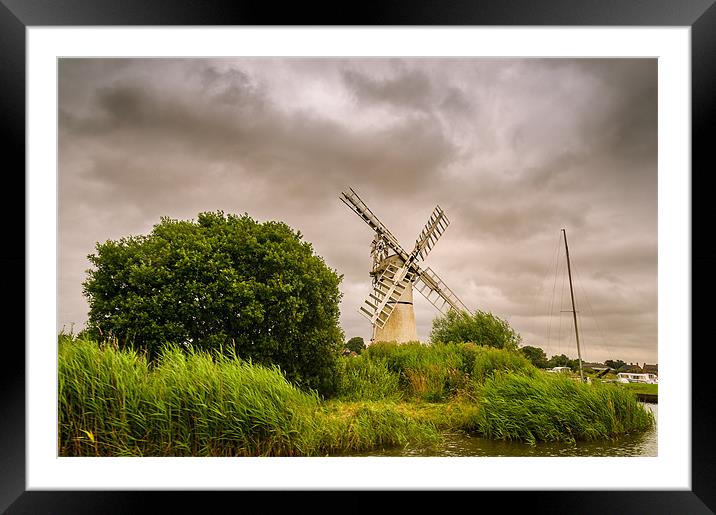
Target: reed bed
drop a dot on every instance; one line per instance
(362, 426)
(188, 403)
(432, 373)
(114, 403)
(111, 402)
(555, 408)
(489, 361)
(438, 372)
(362, 379)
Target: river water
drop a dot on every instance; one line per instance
(642, 444)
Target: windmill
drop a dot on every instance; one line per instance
(395, 272)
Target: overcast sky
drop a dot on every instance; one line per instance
(512, 150)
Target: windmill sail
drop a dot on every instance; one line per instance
(437, 292)
(437, 223)
(386, 293)
(353, 201)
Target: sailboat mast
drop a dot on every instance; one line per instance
(574, 309)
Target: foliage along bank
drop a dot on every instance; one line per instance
(115, 402)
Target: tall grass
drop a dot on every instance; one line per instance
(190, 403)
(552, 407)
(488, 361)
(438, 372)
(431, 373)
(368, 380)
(113, 403)
(362, 426)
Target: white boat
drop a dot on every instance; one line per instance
(630, 377)
(559, 369)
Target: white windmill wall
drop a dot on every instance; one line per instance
(400, 326)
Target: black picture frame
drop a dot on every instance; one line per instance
(17, 15)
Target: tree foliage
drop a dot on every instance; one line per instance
(220, 282)
(536, 355)
(615, 364)
(480, 327)
(356, 344)
(563, 361)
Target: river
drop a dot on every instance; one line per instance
(642, 444)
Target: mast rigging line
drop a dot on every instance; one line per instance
(555, 259)
(580, 283)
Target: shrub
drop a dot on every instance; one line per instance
(356, 344)
(479, 327)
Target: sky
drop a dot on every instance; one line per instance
(513, 150)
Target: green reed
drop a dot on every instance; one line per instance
(112, 402)
(366, 380)
(116, 403)
(552, 407)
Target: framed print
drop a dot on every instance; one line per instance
(137, 102)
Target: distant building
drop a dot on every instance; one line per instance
(595, 366)
(650, 369)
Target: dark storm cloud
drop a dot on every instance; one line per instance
(512, 149)
(251, 133)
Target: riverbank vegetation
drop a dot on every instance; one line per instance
(115, 401)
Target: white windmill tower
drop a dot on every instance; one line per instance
(389, 306)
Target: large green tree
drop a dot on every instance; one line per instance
(224, 280)
(480, 327)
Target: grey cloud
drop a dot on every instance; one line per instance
(411, 89)
(300, 146)
(513, 150)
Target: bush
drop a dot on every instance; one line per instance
(356, 344)
(480, 327)
(220, 282)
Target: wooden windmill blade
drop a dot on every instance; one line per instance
(437, 223)
(359, 207)
(386, 293)
(437, 292)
